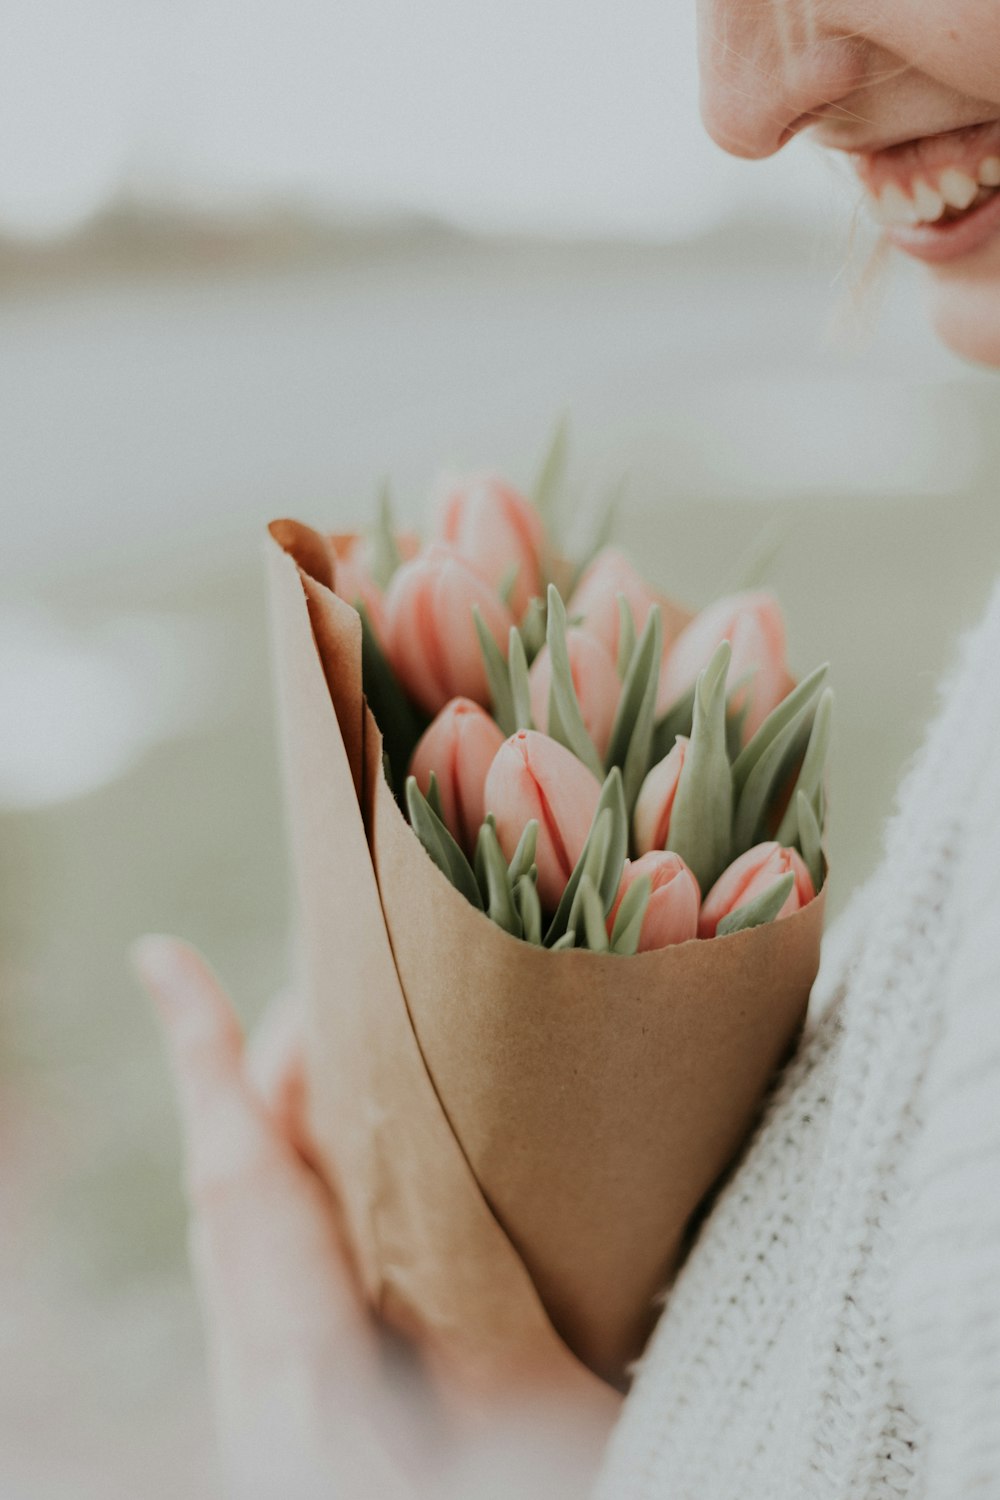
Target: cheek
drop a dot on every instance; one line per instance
(965, 306)
(954, 41)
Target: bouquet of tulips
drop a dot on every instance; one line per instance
(560, 858)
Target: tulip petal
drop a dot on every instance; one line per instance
(759, 786)
(613, 798)
(810, 775)
(701, 818)
(810, 839)
(761, 910)
(630, 916)
(440, 845)
(565, 717)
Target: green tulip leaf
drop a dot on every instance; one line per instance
(632, 733)
(532, 628)
(386, 556)
(677, 720)
(548, 487)
(594, 928)
(440, 845)
(500, 905)
(497, 675)
(529, 910)
(810, 839)
(434, 797)
(592, 866)
(775, 724)
(520, 687)
(524, 855)
(565, 719)
(810, 777)
(568, 940)
(626, 637)
(759, 788)
(612, 799)
(630, 916)
(757, 913)
(701, 821)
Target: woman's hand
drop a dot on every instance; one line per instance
(311, 1401)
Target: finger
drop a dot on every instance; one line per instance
(276, 1070)
(272, 1273)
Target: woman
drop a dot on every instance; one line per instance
(836, 1330)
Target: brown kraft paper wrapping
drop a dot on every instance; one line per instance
(518, 1137)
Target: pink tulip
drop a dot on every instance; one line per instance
(672, 913)
(655, 803)
(595, 598)
(430, 634)
(535, 777)
(459, 747)
(488, 522)
(595, 678)
(749, 877)
(753, 625)
(354, 583)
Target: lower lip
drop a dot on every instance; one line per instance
(939, 243)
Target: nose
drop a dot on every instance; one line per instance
(768, 70)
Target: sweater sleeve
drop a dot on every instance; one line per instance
(947, 1294)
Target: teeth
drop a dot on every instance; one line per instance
(894, 207)
(929, 205)
(957, 188)
(989, 172)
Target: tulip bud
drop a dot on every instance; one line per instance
(753, 625)
(595, 679)
(749, 877)
(533, 776)
(488, 522)
(354, 583)
(672, 913)
(430, 634)
(595, 598)
(655, 803)
(459, 748)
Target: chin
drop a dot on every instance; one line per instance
(965, 306)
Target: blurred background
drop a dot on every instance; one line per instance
(253, 259)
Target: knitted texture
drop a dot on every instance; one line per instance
(835, 1334)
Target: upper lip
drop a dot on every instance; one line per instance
(878, 145)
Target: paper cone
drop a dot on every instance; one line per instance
(519, 1138)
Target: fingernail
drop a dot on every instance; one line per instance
(162, 966)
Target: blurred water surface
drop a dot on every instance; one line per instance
(157, 409)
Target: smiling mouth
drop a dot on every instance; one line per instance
(935, 180)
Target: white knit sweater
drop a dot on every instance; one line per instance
(835, 1334)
